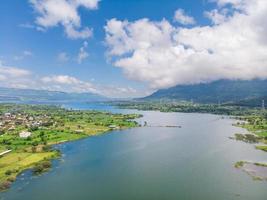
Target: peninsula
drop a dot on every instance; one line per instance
(27, 133)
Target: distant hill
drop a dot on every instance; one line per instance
(252, 102)
(29, 95)
(222, 90)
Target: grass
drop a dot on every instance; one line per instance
(249, 138)
(261, 147)
(261, 164)
(13, 164)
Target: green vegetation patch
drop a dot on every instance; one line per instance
(240, 164)
(261, 147)
(249, 138)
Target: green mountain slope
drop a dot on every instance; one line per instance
(222, 90)
(251, 102)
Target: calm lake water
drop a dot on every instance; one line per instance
(149, 163)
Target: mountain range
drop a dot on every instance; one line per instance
(223, 91)
(30, 95)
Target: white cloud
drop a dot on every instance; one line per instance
(217, 16)
(164, 55)
(24, 54)
(13, 77)
(63, 57)
(12, 72)
(181, 17)
(71, 84)
(231, 2)
(27, 25)
(83, 54)
(122, 92)
(68, 83)
(63, 12)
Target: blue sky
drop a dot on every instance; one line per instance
(48, 55)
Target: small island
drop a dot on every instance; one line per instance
(27, 133)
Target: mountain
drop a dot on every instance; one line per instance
(217, 91)
(30, 95)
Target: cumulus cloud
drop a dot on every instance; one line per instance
(122, 92)
(217, 16)
(13, 77)
(229, 2)
(63, 12)
(83, 54)
(12, 72)
(163, 55)
(181, 17)
(68, 83)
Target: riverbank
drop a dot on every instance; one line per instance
(27, 133)
(252, 119)
(188, 107)
(256, 125)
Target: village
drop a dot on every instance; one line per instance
(9, 122)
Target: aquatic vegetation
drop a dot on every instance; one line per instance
(258, 171)
(240, 164)
(263, 148)
(249, 138)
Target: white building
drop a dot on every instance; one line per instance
(25, 134)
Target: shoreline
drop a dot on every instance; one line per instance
(55, 155)
(37, 150)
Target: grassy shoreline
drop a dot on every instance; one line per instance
(55, 125)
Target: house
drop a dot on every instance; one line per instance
(12, 128)
(79, 131)
(7, 115)
(113, 127)
(25, 134)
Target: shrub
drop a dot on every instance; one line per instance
(41, 167)
(11, 179)
(34, 149)
(38, 169)
(46, 164)
(47, 148)
(8, 172)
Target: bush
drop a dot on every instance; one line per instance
(8, 172)
(46, 164)
(47, 148)
(41, 167)
(11, 179)
(35, 143)
(38, 169)
(34, 149)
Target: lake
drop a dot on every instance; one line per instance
(193, 162)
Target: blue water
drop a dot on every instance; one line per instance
(188, 163)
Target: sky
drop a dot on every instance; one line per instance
(130, 48)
